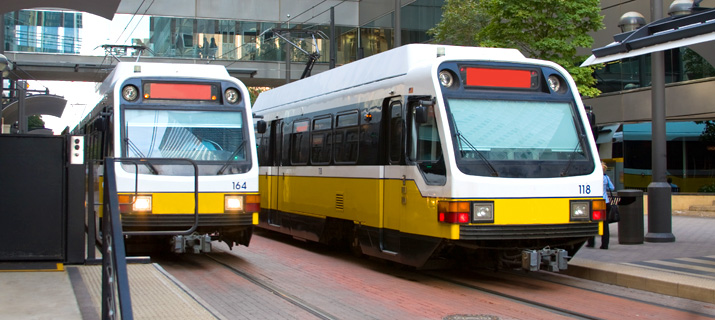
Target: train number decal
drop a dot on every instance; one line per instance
(584, 189)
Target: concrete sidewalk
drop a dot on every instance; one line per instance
(684, 268)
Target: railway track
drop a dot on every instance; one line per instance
(292, 299)
(279, 278)
(531, 303)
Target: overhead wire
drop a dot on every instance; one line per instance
(140, 19)
(130, 20)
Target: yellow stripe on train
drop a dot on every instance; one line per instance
(386, 203)
(181, 203)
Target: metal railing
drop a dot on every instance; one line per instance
(116, 297)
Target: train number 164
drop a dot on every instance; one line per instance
(584, 189)
(238, 185)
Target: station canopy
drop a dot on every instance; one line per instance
(37, 104)
(696, 31)
(103, 8)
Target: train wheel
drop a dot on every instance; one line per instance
(355, 243)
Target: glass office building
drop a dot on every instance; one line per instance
(43, 31)
(192, 38)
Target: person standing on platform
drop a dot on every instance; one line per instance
(607, 186)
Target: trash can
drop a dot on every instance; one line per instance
(630, 228)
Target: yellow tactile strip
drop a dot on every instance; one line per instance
(154, 295)
(638, 277)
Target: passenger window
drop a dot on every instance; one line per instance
(320, 140)
(396, 132)
(300, 149)
(347, 138)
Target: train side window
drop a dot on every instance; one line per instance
(425, 147)
(300, 149)
(396, 132)
(320, 140)
(347, 137)
(263, 142)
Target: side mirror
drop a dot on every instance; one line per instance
(261, 126)
(100, 124)
(420, 114)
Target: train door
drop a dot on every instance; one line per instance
(276, 144)
(394, 182)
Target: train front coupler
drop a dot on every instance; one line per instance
(198, 243)
(553, 260)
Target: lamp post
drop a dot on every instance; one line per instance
(659, 192)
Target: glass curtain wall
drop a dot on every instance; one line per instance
(681, 64)
(43, 31)
(690, 151)
(189, 38)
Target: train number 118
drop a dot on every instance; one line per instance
(584, 189)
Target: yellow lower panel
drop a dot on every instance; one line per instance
(400, 208)
(350, 199)
(532, 211)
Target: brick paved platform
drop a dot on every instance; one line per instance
(684, 268)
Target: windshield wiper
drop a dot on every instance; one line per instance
(230, 158)
(571, 156)
(138, 152)
(462, 138)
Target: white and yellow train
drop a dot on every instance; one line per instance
(427, 152)
(156, 112)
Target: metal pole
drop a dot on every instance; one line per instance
(21, 117)
(659, 195)
(398, 22)
(333, 45)
(288, 47)
(2, 105)
(2, 80)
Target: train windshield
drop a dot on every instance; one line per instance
(524, 139)
(215, 136)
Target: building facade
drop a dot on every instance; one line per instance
(623, 110)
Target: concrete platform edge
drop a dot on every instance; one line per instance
(662, 282)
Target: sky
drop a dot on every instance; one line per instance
(82, 96)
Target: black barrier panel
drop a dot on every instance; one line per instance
(630, 228)
(32, 180)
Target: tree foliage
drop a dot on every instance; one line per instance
(544, 29)
(255, 91)
(35, 122)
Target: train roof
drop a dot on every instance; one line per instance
(385, 65)
(125, 70)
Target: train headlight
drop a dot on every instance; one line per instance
(232, 96)
(556, 84)
(233, 203)
(130, 92)
(142, 204)
(580, 210)
(483, 212)
(446, 78)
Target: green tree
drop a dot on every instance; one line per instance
(544, 29)
(34, 122)
(255, 91)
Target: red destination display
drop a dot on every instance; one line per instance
(500, 78)
(179, 91)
